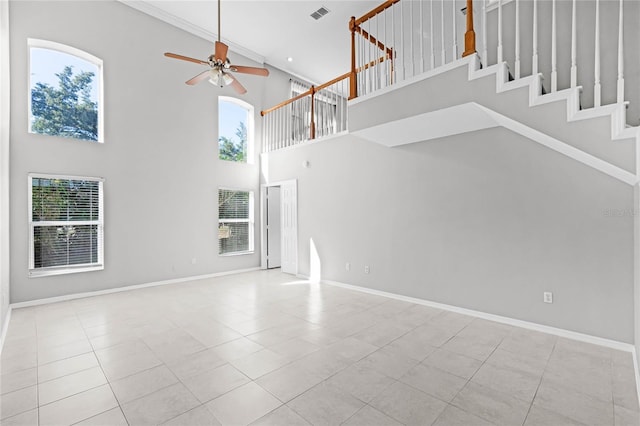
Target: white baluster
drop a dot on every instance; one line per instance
(413, 68)
(534, 59)
(554, 48)
(621, 54)
(376, 73)
(444, 55)
(265, 133)
(574, 50)
(387, 60)
(401, 3)
(421, 39)
(485, 56)
(433, 52)
(393, 41)
(370, 53)
(517, 60)
(597, 89)
(500, 52)
(454, 49)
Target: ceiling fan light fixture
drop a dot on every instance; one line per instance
(215, 78)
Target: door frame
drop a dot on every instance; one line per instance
(263, 219)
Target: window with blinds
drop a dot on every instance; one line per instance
(66, 224)
(235, 221)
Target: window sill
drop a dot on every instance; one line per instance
(237, 253)
(45, 272)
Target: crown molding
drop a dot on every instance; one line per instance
(151, 10)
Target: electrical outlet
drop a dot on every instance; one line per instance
(193, 261)
(367, 269)
(548, 297)
(347, 266)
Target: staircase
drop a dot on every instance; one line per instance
(443, 94)
(598, 137)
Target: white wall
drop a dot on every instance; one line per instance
(159, 159)
(486, 221)
(5, 115)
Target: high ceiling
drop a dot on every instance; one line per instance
(271, 30)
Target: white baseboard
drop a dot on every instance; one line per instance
(126, 288)
(613, 344)
(636, 367)
(5, 327)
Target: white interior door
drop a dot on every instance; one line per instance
(274, 235)
(289, 227)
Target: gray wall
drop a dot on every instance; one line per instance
(5, 115)
(159, 159)
(487, 221)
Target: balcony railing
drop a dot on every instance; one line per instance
(318, 112)
(401, 39)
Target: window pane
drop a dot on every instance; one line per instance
(233, 237)
(64, 200)
(232, 131)
(65, 245)
(233, 204)
(234, 225)
(64, 95)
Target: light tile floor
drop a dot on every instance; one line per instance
(265, 348)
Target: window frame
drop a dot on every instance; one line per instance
(34, 272)
(250, 124)
(250, 221)
(81, 54)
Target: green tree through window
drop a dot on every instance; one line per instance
(232, 149)
(67, 110)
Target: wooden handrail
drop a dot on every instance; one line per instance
(373, 40)
(285, 103)
(380, 60)
(310, 92)
(332, 82)
(387, 4)
(470, 35)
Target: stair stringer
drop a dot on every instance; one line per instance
(371, 119)
(617, 112)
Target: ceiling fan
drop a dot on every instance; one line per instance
(219, 66)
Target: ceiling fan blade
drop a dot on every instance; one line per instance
(221, 51)
(185, 58)
(250, 70)
(236, 85)
(198, 78)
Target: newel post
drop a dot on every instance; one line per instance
(312, 127)
(470, 35)
(353, 85)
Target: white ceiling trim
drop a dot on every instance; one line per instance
(196, 30)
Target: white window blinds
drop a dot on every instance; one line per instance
(66, 224)
(235, 221)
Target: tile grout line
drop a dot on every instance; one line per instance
(103, 373)
(541, 378)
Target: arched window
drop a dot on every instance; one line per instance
(235, 130)
(65, 91)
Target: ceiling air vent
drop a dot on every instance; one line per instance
(319, 13)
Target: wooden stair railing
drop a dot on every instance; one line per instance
(368, 64)
(469, 35)
(330, 90)
(356, 26)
